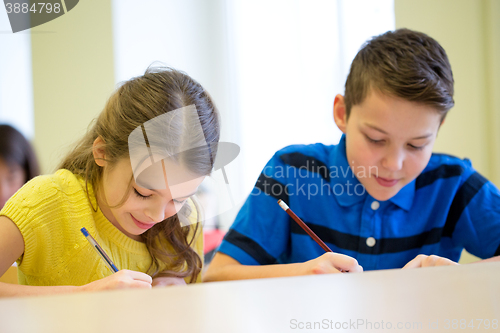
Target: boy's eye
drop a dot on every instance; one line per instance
(416, 147)
(140, 195)
(373, 140)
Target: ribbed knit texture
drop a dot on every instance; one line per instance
(50, 211)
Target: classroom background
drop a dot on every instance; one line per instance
(273, 68)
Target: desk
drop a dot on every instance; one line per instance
(416, 300)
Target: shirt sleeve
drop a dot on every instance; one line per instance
(474, 218)
(261, 231)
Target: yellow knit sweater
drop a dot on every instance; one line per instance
(50, 211)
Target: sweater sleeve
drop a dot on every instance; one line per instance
(31, 207)
(45, 210)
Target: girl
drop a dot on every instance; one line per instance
(144, 223)
(18, 162)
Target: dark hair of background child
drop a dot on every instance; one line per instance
(15, 149)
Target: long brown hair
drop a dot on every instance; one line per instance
(138, 100)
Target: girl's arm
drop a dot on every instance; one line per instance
(165, 281)
(11, 244)
(12, 247)
(224, 267)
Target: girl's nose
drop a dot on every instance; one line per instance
(161, 211)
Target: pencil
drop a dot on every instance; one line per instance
(304, 226)
(99, 250)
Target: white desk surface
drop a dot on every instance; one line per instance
(438, 299)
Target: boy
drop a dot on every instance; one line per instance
(379, 198)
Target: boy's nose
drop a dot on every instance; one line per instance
(393, 161)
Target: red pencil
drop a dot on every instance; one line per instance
(304, 226)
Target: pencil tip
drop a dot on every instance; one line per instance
(84, 232)
(283, 204)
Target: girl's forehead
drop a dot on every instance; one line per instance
(155, 148)
(163, 173)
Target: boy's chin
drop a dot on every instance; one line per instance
(381, 195)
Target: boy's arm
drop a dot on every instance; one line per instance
(224, 267)
(492, 259)
(423, 260)
(428, 261)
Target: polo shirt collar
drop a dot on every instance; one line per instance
(404, 198)
(342, 178)
(345, 179)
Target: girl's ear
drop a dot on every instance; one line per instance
(98, 151)
(339, 113)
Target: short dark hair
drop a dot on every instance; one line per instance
(402, 63)
(15, 149)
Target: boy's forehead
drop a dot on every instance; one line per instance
(375, 99)
(388, 113)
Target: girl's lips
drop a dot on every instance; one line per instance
(386, 182)
(141, 225)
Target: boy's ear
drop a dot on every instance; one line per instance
(339, 113)
(98, 152)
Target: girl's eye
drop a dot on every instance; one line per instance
(140, 195)
(180, 201)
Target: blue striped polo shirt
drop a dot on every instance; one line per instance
(447, 208)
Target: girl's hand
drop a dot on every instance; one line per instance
(165, 281)
(123, 279)
(332, 263)
(428, 261)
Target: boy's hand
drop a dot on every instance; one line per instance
(165, 281)
(332, 263)
(428, 261)
(123, 279)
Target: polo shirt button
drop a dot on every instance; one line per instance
(370, 241)
(375, 205)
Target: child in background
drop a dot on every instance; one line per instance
(379, 199)
(146, 224)
(18, 162)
